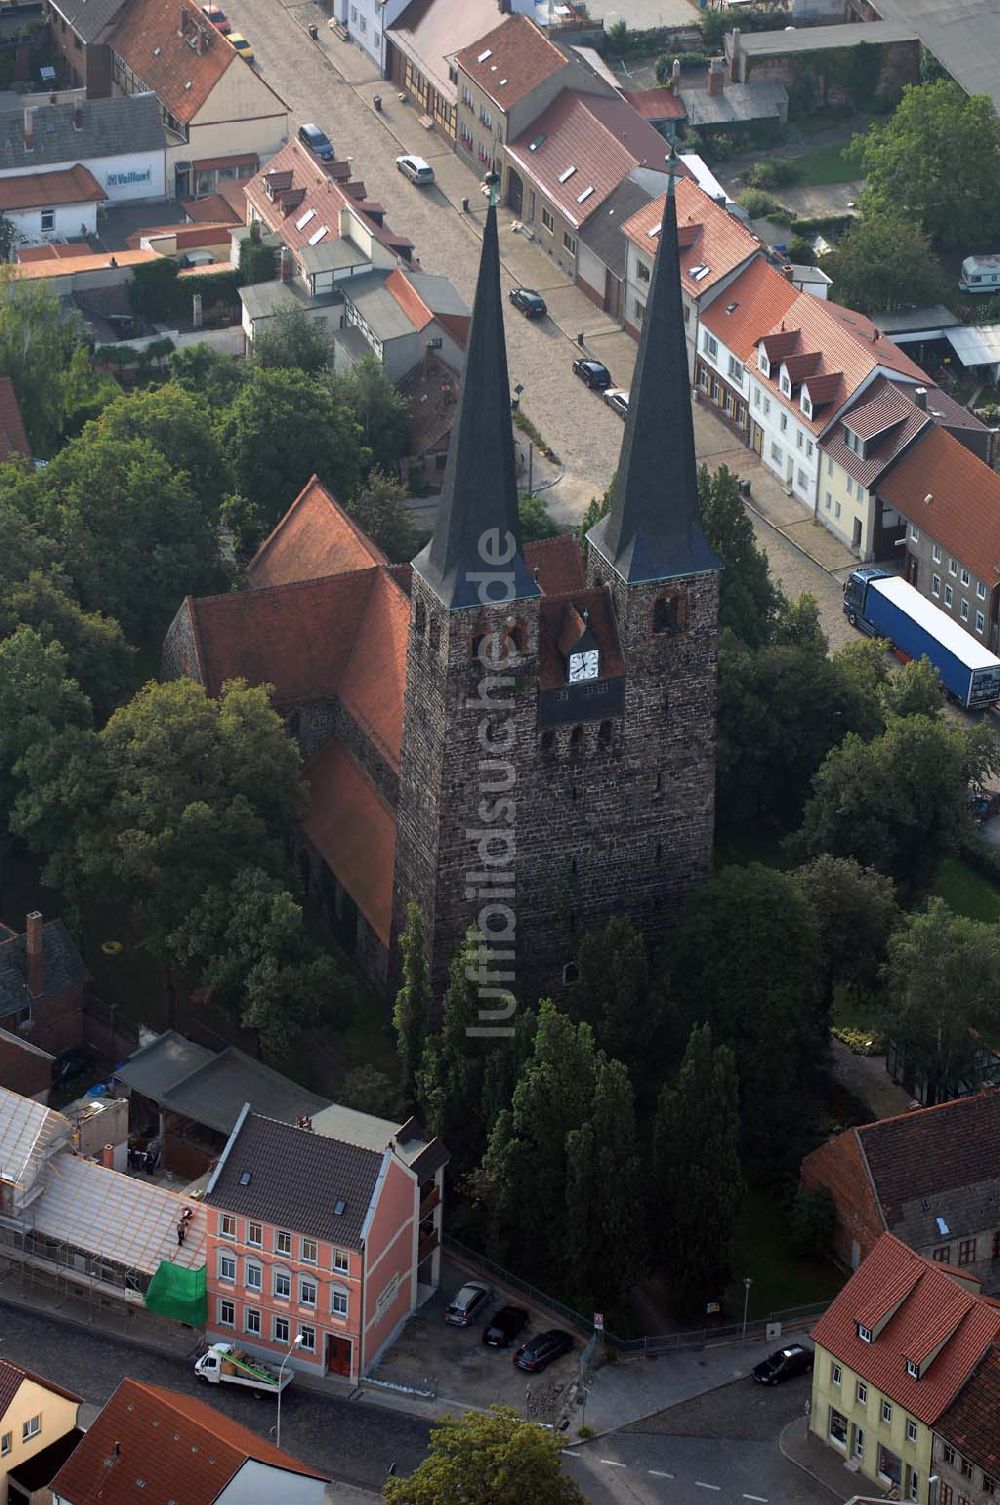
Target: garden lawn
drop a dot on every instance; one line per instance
(825, 164)
(968, 892)
(780, 1279)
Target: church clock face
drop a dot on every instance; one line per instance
(582, 666)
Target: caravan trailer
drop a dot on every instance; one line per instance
(980, 274)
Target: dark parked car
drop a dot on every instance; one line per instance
(504, 1326)
(467, 1304)
(594, 373)
(538, 1353)
(317, 141)
(73, 1063)
(531, 304)
(782, 1365)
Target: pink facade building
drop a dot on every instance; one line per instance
(328, 1231)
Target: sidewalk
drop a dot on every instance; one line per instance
(805, 1450)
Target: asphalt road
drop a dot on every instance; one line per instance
(352, 1441)
(720, 1447)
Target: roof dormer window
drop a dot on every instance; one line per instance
(912, 1370)
(763, 364)
(785, 383)
(854, 444)
(865, 1333)
(805, 403)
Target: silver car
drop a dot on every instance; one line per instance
(416, 169)
(468, 1304)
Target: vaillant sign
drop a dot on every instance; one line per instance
(129, 179)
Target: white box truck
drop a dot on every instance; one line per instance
(225, 1365)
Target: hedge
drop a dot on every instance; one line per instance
(158, 294)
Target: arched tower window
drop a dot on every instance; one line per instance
(576, 739)
(420, 617)
(669, 613)
(604, 734)
(548, 744)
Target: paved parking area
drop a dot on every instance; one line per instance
(457, 1363)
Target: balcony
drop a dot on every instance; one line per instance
(430, 1201)
(427, 1246)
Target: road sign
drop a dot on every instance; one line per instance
(599, 1321)
(711, 1307)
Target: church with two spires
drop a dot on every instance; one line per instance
(534, 793)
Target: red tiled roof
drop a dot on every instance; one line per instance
(309, 638)
(182, 1449)
(752, 303)
(895, 421)
(964, 513)
(707, 234)
(558, 561)
(409, 299)
(325, 195)
(892, 1268)
(511, 60)
(656, 104)
(13, 1376)
(148, 38)
(601, 139)
(552, 624)
(933, 1150)
(970, 1422)
(314, 538)
(354, 831)
(229, 204)
(186, 236)
(66, 185)
(50, 250)
(68, 265)
(13, 439)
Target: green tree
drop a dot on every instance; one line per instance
(533, 515)
(38, 341)
(697, 1189)
(914, 690)
(133, 535)
(856, 910)
(38, 701)
(246, 942)
(936, 163)
(883, 262)
(493, 1459)
(171, 800)
(761, 993)
(371, 1091)
(380, 509)
(615, 994)
(292, 340)
(379, 411)
(281, 427)
(898, 803)
(97, 655)
(943, 979)
(748, 597)
(603, 1196)
(414, 1001)
(811, 1223)
(179, 425)
(525, 1161)
(210, 376)
(797, 624)
(10, 238)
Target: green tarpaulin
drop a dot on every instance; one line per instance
(179, 1293)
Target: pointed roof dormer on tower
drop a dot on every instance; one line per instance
(477, 530)
(653, 530)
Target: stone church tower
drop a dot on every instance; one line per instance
(558, 749)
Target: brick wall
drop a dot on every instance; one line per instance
(23, 1070)
(839, 1165)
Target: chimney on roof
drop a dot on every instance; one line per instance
(35, 954)
(29, 129)
(108, 1157)
(716, 77)
(304, 1122)
(920, 398)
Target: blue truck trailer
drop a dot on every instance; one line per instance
(887, 606)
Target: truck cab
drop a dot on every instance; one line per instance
(855, 590)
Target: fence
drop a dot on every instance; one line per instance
(648, 1346)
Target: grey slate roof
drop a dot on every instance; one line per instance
(653, 530)
(109, 128)
(479, 493)
(214, 1093)
(602, 232)
(386, 318)
(422, 1155)
(89, 18)
(64, 967)
(966, 1210)
(295, 1179)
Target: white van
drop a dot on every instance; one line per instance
(416, 169)
(980, 274)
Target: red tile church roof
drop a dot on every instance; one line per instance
(315, 537)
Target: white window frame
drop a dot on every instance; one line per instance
(949, 595)
(6, 1444)
(911, 1429)
(736, 370)
(308, 1336)
(249, 1313)
(980, 591)
(710, 345)
(784, 423)
(280, 1330)
(227, 1268)
(936, 553)
(861, 1393)
(835, 1441)
(935, 585)
(785, 383)
(341, 1261)
(227, 1226)
(308, 1284)
(805, 404)
(980, 622)
(885, 1411)
(283, 1276)
(225, 1321)
(913, 1370)
(763, 364)
(836, 1374)
(254, 1276)
(963, 610)
(255, 1242)
(865, 1333)
(952, 566)
(31, 1428)
(340, 1295)
(313, 1257)
(283, 1243)
(964, 577)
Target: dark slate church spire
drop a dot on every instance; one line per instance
(652, 531)
(479, 496)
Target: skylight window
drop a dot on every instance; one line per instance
(304, 219)
(654, 232)
(534, 145)
(317, 235)
(484, 55)
(582, 198)
(565, 176)
(699, 273)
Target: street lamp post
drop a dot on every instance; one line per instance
(295, 1343)
(747, 1283)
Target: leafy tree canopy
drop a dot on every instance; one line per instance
(179, 425)
(291, 339)
(379, 411)
(748, 598)
(856, 910)
(883, 262)
(43, 351)
(493, 1459)
(380, 508)
(936, 163)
